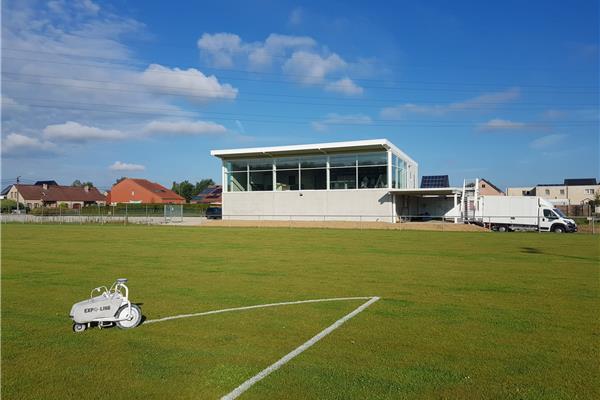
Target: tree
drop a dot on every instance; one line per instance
(78, 183)
(186, 190)
(203, 184)
(121, 179)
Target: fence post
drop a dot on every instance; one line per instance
(125, 219)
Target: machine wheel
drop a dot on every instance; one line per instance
(129, 321)
(558, 229)
(502, 228)
(78, 328)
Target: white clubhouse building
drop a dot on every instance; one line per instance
(324, 181)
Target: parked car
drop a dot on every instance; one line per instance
(214, 213)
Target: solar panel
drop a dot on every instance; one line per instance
(435, 181)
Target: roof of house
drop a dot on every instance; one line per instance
(46, 183)
(59, 193)
(217, 189)
(5, 191)
(492, 185)
(372, 144)
(157, 189)
(580, 181)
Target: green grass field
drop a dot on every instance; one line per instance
(461, 315)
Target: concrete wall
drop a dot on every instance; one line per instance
(317, 205)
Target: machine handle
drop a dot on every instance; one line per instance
(99, 289)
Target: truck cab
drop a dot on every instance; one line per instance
(553, 220)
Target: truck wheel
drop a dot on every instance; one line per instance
(502, 228)
(78, 328)
(558, 229)
(129, 321)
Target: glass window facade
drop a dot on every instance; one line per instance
(343, 171)
(399, 167)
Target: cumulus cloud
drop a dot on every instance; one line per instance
(309, 67)
(72, 131)
(344, 86)
(547, 141)
(191, 82)
(121, 166)
(186, 128)
(481, 102)
(18, 145)
(341, 119)
(221, 49)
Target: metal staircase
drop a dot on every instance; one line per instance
(470, 194)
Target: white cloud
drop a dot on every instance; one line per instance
(191, 82)
(16, 145)
(261, 55)
(505, 125)
(10, 104)
(341, 119)
(75, 132)
(184, 128)
(498, 124)
(309, 68)
(121, 166)
(345, 86)
(87, 6)
(296, 16)
(547, 141)
(221, 47)
(482, 102)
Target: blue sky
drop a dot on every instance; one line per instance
(506, 90)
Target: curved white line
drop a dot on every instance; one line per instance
(152, 321)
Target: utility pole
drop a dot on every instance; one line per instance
(18, 211)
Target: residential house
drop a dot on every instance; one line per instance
(142, 191)
(51, 194)
(210, 195)
(487, 188)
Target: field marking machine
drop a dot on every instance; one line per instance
(109, 306)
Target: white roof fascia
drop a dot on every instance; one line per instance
(322, 147)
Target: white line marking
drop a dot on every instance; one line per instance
(282, 361)
(152, 321)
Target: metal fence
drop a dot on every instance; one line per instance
(125, 214)
(169, 214)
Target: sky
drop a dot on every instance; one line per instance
(505, 90)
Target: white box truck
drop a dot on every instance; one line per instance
(512, 213)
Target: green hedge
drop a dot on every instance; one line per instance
(7, 205)
(132, 210)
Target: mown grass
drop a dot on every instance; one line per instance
(462, 315)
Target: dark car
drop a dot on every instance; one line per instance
(214, 213)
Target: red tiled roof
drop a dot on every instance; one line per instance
(158, 190)
(59, 193)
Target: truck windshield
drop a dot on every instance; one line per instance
(559, 213)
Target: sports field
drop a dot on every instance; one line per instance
(461, 315)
